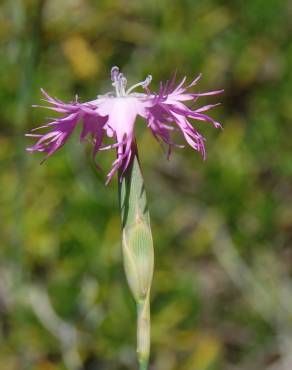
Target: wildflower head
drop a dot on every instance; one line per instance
(114, 115)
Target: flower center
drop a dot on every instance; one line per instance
(119, 82)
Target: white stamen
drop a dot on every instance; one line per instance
(116, 86)
(144, 84)
(122, 83)
(115, 73)
(119, 82)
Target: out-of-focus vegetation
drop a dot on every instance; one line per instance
(222, 294)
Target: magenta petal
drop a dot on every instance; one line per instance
(113, 116)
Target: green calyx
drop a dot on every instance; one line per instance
(138, 252)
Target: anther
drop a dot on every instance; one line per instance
(114, 73)
(147, 81)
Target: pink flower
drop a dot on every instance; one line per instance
(114, 115)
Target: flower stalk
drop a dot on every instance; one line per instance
(113, 116)
(138, 253)
(143, 333)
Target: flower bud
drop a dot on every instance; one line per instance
(138, 256)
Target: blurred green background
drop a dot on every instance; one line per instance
(222, 290)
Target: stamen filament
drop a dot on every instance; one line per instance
(144, 84)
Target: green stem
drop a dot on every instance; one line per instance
(138, 253)
(143, 365)
(143, 333)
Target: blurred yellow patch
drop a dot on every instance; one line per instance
(8, 362)
(46, 365)
(80, 55)
(206, 351)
